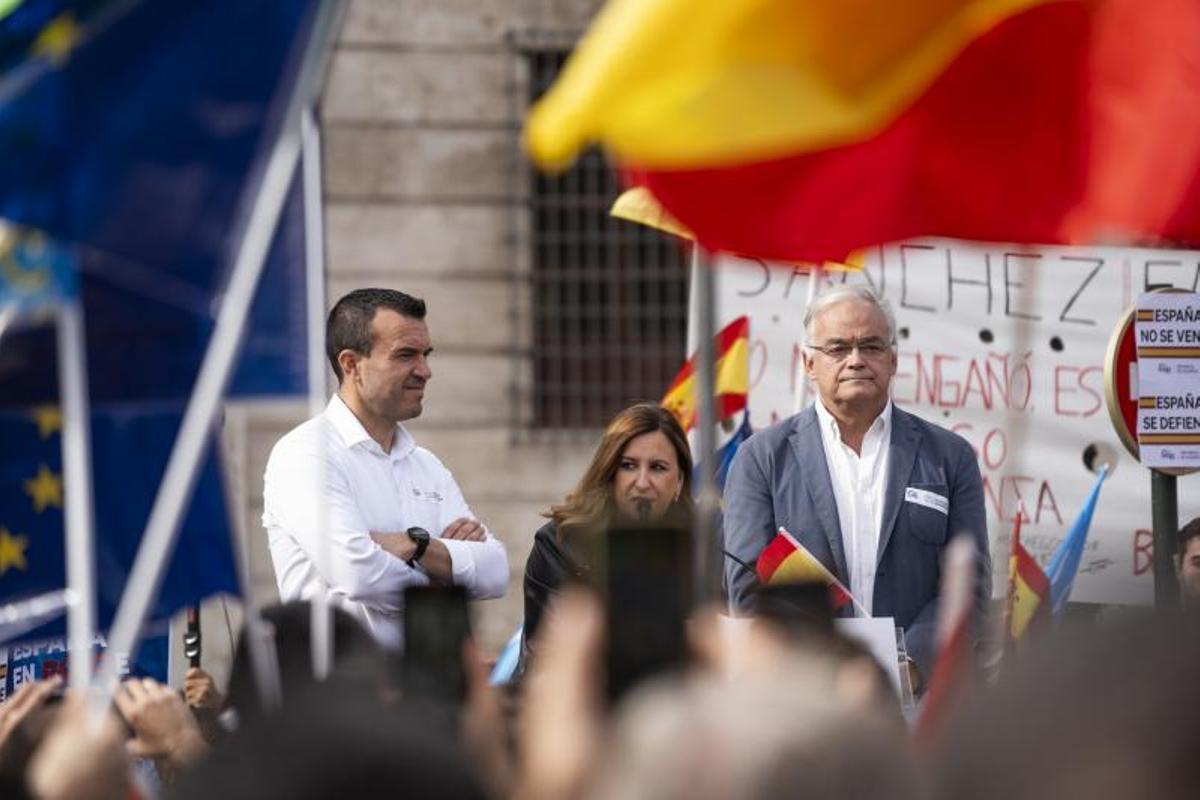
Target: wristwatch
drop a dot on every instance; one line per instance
(420, 537)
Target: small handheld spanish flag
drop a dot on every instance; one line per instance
(1028, 588)
(785, 560)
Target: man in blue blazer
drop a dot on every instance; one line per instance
(874, 492)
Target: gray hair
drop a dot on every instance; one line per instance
(845, 293)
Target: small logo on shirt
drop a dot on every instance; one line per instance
(433, 497)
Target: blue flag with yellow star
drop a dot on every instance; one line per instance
(135, 131)
(134, 134)
(129, 453)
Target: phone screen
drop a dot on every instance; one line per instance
(436, 625)
(647, 591)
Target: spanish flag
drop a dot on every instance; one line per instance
(803, 131)
(731, 377)
(785, 560)
(1028, 589)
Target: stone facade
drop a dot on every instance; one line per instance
(420, 130)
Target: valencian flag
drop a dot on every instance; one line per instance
(1028, 588)
(803, 131)
(785, 560)
(731, 377)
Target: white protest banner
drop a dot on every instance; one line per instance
(1167, 331)
(1004, 344)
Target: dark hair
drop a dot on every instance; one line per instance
(591, 504)
(357, 661)
(349, 323)
(1186, 534)
(333, 745)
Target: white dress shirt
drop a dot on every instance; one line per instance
(365, 490)
(859, 482)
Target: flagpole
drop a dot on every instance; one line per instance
(195, 433)
(705, 543)
(1164, 515)
(314, 258)
(77, 486)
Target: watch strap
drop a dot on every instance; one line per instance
(421, 538)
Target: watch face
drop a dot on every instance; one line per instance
(418, 533)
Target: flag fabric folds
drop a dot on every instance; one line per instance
(667, 83)
(792, 131)
(1028, 589)
(731, 378)
(136, 148)
(129, 453)
(638, 205)
(1065, 561)
(785, 560)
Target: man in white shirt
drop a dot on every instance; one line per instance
(872, 491)
(351, 489)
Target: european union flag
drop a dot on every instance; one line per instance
(132, 131)
(129, 452)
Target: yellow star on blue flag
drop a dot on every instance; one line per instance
(58, 39)
(12, 551)
(46, 489)
(48, 419)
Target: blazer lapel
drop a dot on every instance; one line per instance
(904, 440)
(810, 453)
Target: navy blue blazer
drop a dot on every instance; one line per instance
(779, 477)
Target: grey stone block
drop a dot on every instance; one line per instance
(416, 164)
(419, 87)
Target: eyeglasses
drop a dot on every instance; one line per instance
(840, 351)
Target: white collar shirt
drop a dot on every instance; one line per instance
(859, 483)
(329, 483)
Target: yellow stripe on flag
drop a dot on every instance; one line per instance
(799, 567)
(639, 205)
(732, 373)
(1025, 602)
(674, 83)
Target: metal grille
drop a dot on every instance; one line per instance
(607, 299)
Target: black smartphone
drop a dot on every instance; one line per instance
(646, 584)
(436, 626)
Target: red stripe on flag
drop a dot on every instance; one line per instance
(975, 158)
(775, 553)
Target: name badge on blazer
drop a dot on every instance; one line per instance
(928, 499)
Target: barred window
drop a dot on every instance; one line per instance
(608, 298)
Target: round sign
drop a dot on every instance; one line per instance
(1120, 364)
(1120, 371)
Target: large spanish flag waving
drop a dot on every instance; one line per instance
(793, 130)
